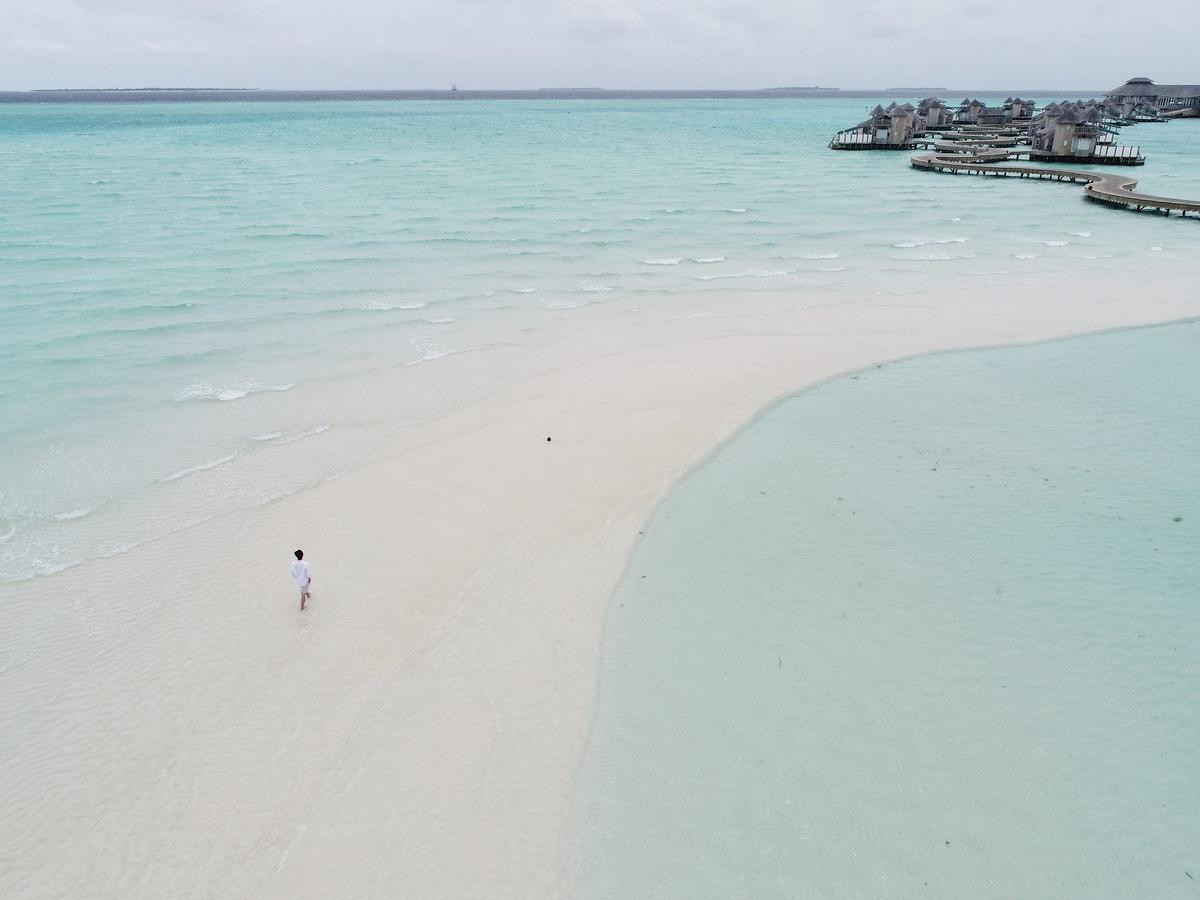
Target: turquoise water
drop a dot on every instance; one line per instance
(194, 297)
(929, 630)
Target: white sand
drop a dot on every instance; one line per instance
(416, 732)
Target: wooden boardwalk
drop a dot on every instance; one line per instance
(1103, 187)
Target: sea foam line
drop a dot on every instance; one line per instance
(320, 429)
(752, 273)
(381, 306)
(202, 391)
(431, 355)
(199, 467)
(73, 514)
(908, 245)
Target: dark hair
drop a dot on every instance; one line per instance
(299, 554)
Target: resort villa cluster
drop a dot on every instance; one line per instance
(975, 137)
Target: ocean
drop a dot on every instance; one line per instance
(928, 630)
(197, 300)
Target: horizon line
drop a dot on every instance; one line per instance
(815, 89)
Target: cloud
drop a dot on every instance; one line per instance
(612, 43)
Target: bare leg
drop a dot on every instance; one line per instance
(303, 598)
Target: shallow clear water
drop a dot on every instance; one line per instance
(192, 294)
(929, 630)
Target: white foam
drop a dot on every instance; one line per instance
(596, 288)
(444, 320)
(320, 429)
(751, 273)
(1081, 233)
(430, 355)
(568, 303)
(199, 467)
(1056, 243)
(735, 209)
(269, 436)
(666, 261)
(1024, 256)
(525, 290)
(831, 269)
(381, 306)
(917, 242)
(830, 255)
(202, 391)
(73, 514)
(708, 259)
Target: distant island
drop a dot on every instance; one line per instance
(133, 90)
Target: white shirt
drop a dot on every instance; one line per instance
(300, 573)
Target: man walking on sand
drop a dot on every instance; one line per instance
(302, 577)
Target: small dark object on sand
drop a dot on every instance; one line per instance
(1178, 519)
(547, 440)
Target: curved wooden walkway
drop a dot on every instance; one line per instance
(1103, 187)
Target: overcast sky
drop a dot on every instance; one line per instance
(595, 43)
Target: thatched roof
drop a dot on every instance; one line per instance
(1144, 87)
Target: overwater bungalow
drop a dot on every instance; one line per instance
(935, 113)
(1019, 109)
(969, 112)
(976, 112)
(1171, 100)
(893, 128)
(1130, 110)
(1074, 132)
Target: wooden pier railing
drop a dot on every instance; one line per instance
(1103, 187)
